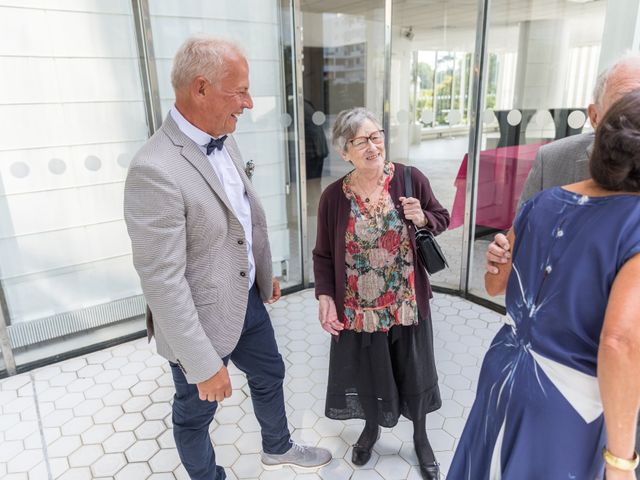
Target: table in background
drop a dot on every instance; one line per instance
(502, 174)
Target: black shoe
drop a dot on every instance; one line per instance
(430, 471)
(362, 451)
(429, 467)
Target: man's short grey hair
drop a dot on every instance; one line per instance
(202, 55)
(598, 89)
(347, 124)
(628, 59)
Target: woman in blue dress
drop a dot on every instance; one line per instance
(559, 388)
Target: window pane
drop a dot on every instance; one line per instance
(431, 79)
(263, 133)
(71, 117)
(543, 61)
(343, 55)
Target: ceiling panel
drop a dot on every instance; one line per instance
(429, 14)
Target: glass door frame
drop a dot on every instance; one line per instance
(478, 86)
(297, 43)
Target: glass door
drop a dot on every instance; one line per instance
(432, 55)
(542, 65)
(343, 67)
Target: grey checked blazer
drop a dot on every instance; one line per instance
(189, 250)
(559, 163)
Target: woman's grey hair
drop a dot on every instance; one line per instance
(347, 124)
(202, 55)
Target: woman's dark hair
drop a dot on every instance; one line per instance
(615, 160)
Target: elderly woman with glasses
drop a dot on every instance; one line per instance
(374, 294)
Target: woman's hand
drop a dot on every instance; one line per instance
(328, 316)
(615, 474)
(413, 211)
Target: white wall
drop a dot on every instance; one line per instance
(71, 117)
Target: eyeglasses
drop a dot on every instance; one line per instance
(361, 142)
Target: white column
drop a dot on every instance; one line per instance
(543, 51)
(621, 31)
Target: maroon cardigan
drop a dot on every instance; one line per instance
(333, 216)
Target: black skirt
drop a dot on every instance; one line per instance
(383, 375)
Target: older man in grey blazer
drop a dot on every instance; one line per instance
(200, 246)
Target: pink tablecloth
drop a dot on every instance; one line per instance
(503, 172)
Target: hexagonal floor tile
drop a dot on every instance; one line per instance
(96, 434)
(392, 467)
(119, 442)
(247, 466)
(226, 434)
(25, 461)
(150, 429)
(226, 455)
(336, 445)
(166, 460)
(64, 446)
(142, 450)
(85, 455)
(327, 427)
(83, 473)
(108, 465)
(229, 415)
(157, 411)
(134, 470)
(338, 469)
(129, 422)
(166, 440)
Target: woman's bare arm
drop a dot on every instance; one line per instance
(618, 361)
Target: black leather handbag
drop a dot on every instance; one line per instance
(429, 252)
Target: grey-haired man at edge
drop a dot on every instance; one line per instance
(200, 246)
(566, 161)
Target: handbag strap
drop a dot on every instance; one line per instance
(408, 188)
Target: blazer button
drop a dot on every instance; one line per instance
(240, 242)
(243, 274)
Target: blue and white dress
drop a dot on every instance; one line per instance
(538, 413)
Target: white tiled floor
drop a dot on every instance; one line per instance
(107, 415)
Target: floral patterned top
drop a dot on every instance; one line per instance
(380, 289)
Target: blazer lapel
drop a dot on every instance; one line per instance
(195, 157)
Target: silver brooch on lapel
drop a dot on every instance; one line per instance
(249, 168)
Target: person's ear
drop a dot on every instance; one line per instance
(199, 87)
(592, 111)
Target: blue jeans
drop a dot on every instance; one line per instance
(256, 354)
